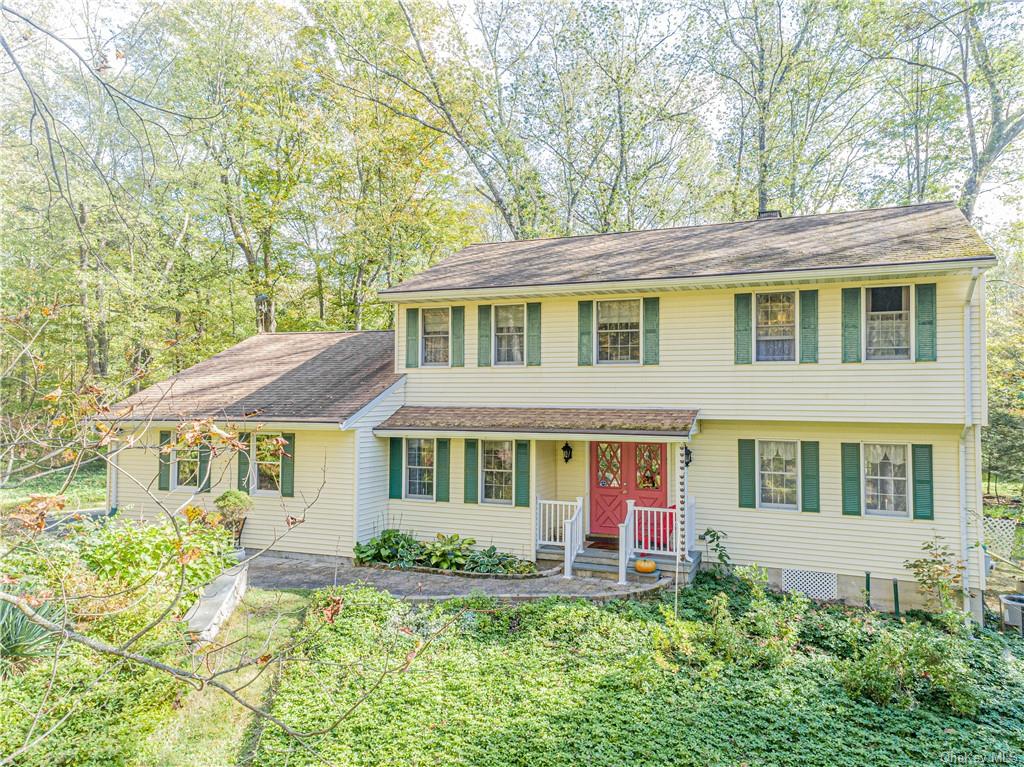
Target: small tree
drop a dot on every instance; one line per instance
(234, 505)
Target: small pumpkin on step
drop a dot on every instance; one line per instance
(644, 565)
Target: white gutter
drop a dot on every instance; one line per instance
(560, 436)
(968, 428)
(829, 274)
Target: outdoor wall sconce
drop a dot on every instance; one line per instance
(567, 452)
(687, 456)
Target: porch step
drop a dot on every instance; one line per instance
(602, 563)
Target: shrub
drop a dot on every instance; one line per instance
(910, 666)
(21, 640)
(235, 506)
(490, 560)
(937, 572)
(448, 552)
(391, 547)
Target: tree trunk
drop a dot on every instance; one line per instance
(83, 294)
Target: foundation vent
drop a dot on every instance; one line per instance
(824, 586)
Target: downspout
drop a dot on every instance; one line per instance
(967, 429)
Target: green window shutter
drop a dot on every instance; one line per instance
(652, 332)
(586, 332)
(924, 507)
(204, 468)
(483, 335)
(243, 463)
(851, 325)
(809, 326)
(743, 329)
(924, 312)
(165, 462)
(395, 468)
(288, 466)
(522, 479)
(810, 493)
(412, 338)
(470, 480)
(533, 334)
(458, 336)
(850, 473)
(748, 483)
(441, 470)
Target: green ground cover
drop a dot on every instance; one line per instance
(568, 683)
(87, 490)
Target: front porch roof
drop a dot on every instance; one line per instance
(544, 421)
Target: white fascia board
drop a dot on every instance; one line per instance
(237, 425)
(745, 279)
(566, 436)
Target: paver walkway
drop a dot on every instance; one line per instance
(271, 572)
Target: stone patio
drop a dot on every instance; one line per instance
(275, 572)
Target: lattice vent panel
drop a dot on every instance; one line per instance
(999, 535)
(816, 585)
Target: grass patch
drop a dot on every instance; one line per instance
(87, 490)
(208, 729)
(568, 682)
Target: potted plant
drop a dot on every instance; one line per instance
(234, 505)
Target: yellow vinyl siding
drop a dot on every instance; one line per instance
(828, 540)
(322, 457)
(697, 368)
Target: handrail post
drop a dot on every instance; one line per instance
(567, 551)
(626, 540)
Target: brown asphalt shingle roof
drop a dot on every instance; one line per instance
(541, 419)
(913, 234)
(303, 377)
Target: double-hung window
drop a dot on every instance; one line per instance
(186, 469)
(266, 458)
(618, 331)
(419, 469)
(436, 337)
(887, 320)
(886, 480)
(509, 334)
(776, 327)
(777, 474)
(496, 471)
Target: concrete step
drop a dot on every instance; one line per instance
(602, 563)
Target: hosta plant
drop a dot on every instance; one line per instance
(448, 552)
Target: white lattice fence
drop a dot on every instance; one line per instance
(816, 585)
(999, 535)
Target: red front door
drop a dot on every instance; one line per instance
(622, 471)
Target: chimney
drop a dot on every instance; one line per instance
(763, 214)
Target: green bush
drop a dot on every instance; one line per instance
(235, 506)
(391, 547)
(448, 552)
(490, 560)
(21, 640)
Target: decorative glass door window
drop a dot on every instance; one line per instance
(618, 331)
(609, 464)
(777, 474)
(888, 323)
(885, 480)
(186, 469)
(419, 468)
(648, 467)
(509, 334)
(497, 471)
(776, 327)
(435, 337)
(267, 462)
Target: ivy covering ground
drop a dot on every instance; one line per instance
(570, 683)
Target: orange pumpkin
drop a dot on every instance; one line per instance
(645, 566)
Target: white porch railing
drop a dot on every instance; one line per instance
(573, 537)
(627, 528)
(551, 517)
(654, 530)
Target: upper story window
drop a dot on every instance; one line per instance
(885, 480)
(618, 331)
(419, 469)
(509, 334)
(776, 327)
(496, 471)
(267, 449)
(436, 337)
(887, 321)
(777, 474)
(186, 470)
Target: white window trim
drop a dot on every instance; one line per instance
(254, 469)
(405, 472)
(911, 308)
(423, 339)
(480, 480)
(757, 474)
(494, 337)
(597, 340)
(909, 514)
(174, 472)
(796, 329)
